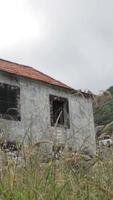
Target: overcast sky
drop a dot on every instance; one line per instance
(71, 40)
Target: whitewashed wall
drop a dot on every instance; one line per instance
(35, 115)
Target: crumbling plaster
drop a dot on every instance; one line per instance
(35, 114)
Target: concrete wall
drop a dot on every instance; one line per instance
(35, 115)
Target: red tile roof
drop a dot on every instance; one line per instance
(29, 72)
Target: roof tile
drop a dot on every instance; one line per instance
(29, 72)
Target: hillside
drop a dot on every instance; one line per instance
(103, 111)
(103, 108)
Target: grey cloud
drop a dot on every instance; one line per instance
(77, 47)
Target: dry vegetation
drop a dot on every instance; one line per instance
(72, 176)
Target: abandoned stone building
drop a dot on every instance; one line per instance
(47, 109)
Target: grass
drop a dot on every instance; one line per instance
(69, 179)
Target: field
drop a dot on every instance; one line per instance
(71, 177)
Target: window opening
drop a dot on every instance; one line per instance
(59, 111)
(9, 102)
